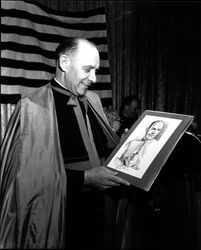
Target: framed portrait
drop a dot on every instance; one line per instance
(141, 154)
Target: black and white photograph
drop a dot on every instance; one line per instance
(100, 130)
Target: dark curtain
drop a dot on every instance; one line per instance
(156, 55)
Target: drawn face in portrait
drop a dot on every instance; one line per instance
(154, 129)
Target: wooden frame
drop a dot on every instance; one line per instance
(143, 151)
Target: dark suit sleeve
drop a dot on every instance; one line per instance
(75, 180)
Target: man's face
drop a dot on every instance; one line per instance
(154, 130)
(132, 109)
(82, 69)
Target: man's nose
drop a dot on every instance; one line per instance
(92, 76)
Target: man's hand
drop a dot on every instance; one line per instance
(103, 178)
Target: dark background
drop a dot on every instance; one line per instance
(154, 52)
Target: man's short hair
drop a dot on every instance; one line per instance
(70, 45)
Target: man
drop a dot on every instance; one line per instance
(137, 148)
(57, 129)
(129, 112)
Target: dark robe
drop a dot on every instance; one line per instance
(33, 176)
(85, 206)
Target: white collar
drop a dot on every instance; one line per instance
(59, 83)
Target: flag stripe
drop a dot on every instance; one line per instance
(42, 10)
(30, 35)
(37, 66)
(10, 98)
(38, 19)
(32, 49)
(44, 36)
(41, 81)
(10, 33)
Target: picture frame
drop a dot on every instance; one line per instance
(143, 151)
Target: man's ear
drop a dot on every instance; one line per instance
(64, 62)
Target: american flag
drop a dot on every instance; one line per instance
(30, 33)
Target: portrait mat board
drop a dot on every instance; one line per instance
(141, 154)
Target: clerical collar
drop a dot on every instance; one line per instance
(60, 83)
(72, 100)
(63, 86)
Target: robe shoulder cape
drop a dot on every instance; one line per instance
(32, 177)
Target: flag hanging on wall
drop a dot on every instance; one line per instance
(30, 34)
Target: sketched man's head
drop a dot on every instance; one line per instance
(154, 129)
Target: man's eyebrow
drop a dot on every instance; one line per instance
(90, 67)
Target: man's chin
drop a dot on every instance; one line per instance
(82, 92)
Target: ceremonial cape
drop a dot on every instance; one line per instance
(32, 178)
